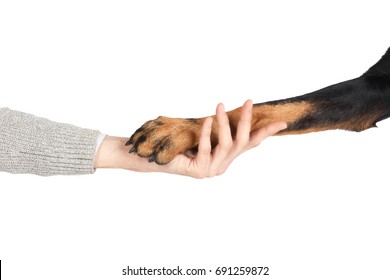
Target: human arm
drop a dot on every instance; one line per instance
(34, 145)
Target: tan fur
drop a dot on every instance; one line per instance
(266, 114)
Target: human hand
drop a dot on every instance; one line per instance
(208, 162)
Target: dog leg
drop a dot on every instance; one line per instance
(353, 105)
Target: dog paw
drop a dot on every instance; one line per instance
(160, 140)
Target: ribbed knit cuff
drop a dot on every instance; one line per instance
(29, 144)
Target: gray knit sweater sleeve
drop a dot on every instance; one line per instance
(30, 144)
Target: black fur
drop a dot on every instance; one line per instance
(358, 101)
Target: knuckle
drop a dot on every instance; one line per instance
(226, 144)
(204, 150)
(240, 145)
(242, 140)
(224, 149)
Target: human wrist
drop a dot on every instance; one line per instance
(108, 155)
(113, 153)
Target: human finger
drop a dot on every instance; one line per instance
(244, 125)
(259, 135)
(225, 140)
(202, 160)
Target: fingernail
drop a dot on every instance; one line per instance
(132, 150)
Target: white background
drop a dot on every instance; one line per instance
(313, 206)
